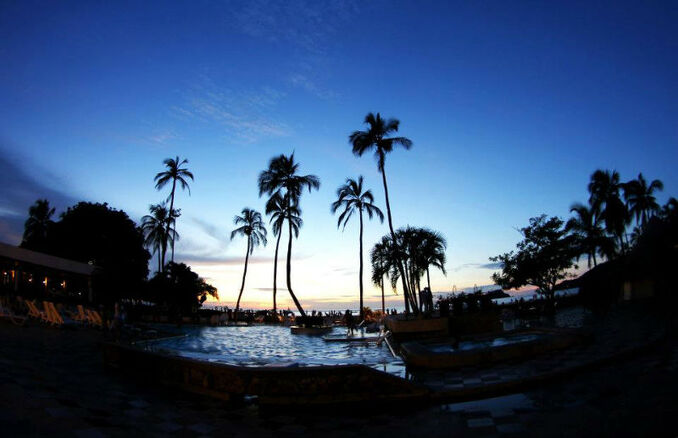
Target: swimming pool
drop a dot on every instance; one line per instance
(271, 346)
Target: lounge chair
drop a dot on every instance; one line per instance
(33, 311)
(80, 316)
(16, 319)
(53, 317)
(95, 318)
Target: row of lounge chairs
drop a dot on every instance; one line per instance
(52, 316)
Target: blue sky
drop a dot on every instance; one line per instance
(510, 105)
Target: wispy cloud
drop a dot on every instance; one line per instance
(212, 231)
(491, 266)
(248, 115)
(306, 24)
(20, 190)
(216, 259)
(304, 82)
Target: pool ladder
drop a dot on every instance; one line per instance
(384, 338)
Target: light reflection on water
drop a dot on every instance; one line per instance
(273, 346)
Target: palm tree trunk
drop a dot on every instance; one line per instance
(595, 263)
(360, 272)
(159, 259)
(169, 222)
(275, 271)
(244, 274)
(383, 301)
(393, 235)
(289, 273)
(428, 279)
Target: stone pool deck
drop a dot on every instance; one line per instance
(53, 382)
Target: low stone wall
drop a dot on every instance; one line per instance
(420, 354)
(272, 385)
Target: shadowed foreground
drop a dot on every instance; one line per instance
(54, 382)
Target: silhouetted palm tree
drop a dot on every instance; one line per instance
(384, 261)
(591, 237)
(640, 198)
(377, 138)
(281, 210)
(281, 177)
(154, 227)
(174, 173)
(604, 189)
(253, 228)
(433, 252)
(37, 225)
(352, 198)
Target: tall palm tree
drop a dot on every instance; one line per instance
(38, 224)
(376, 138)
(604, 198)
(253, 228)
(281, 177)
(175, 173)
(154, 227)
(640, 198)
(590, 236)
(352, 198)
(281, 210)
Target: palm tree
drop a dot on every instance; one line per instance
(280, 211)
(433, 252)
(38, 224)
(281, 177)
(379, 270)
(253, 227)
(604, 189)
(154, 227)
(640, 198)
(376, 138)
(590, 236)
(352, 198)
(174, 173)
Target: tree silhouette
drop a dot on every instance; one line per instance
(376, 138)
(175, 173)
(640, 198)
(604, 198)
(281, 210)
(382, 259)
(281, 178)
(542, 257)
(37, 225)
(590, 236)
(253, 228)
(154, 227)
(352, 198)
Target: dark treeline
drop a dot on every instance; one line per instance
(621, 225)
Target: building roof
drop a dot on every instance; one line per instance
(45, 260)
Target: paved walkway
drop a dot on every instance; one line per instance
(53, 382)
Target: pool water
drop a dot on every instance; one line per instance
(272, 346)
(485, 343)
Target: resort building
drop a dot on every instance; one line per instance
(36, 274)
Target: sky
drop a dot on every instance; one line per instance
(510, 106)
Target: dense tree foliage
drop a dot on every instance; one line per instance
(179, 288)
(38, 225)
(541, 259)
(97, 234)
(416, 249)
